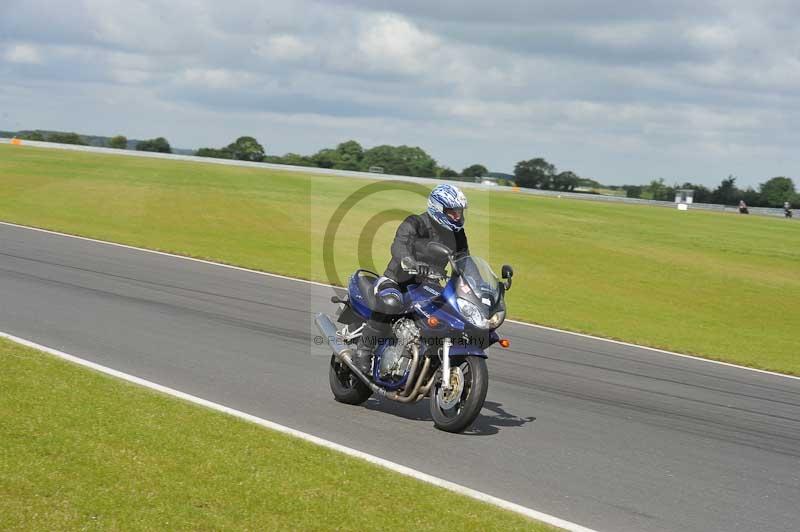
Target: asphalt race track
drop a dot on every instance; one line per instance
(608, 436)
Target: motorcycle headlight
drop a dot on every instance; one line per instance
(472, 313)
(497, 319)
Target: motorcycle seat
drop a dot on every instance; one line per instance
(366, 287)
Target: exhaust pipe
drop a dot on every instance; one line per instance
(412, 372)
(425, 389)
(342, 350)
(410, 396)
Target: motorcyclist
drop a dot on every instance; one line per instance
(443, 222)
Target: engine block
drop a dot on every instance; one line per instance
(396, 357)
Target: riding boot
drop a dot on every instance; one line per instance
(374, 331)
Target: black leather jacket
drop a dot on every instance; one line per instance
(411, 238)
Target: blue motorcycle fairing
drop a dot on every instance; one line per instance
(464, 350)
(460, 350)
(416, 293)
(442, 306)
(449, 294)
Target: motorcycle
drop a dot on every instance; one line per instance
(437, 344)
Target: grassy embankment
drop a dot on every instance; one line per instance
(83, 451)
(720, 286)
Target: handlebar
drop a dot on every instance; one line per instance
(434, 276)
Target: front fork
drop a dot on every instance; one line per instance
(446, 343)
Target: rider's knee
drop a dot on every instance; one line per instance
(390, 301)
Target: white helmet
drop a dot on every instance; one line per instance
(446, 205)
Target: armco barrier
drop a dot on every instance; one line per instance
(761, 211)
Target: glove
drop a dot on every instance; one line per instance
(423, 269)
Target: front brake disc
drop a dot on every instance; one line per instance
(448, 399)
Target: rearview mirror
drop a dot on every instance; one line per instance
(507, 272)
(438, 252)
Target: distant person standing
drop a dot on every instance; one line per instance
(743, 207)
(787, 209)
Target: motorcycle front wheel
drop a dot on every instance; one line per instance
(455, 410)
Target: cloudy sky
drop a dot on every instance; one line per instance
(622, 92)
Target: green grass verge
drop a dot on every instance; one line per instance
(720, 286)
(83, 451)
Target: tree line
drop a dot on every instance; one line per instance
(538, 173)
(349, 155)
(399, 160)
(120, 142)
(414, 161)
(771, 193)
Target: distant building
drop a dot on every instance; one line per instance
(684, 195)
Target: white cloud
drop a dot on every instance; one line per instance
(214, 78)
(129, 76)
(23, 53)
(715, 36)
(391, 42)
(285, 48)
(621, 35)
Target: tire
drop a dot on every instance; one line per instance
(346, 387)
(473, 394)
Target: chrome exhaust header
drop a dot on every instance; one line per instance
(341, 350)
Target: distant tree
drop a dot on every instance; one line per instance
(295, 159)
(246, 149)
(31, 135)
(633, 191)
(476, 170)
(158, 144)
(419, 162)
(446, 173)
(350, 154)
(66, 138)
(591, 183)
(655, 190)
(327, 158)
(726, 193)
(534, 173)
(400, 160)
(384, 156)
(664, 192)
(668, 193)
(119, 142)
(777, 190)
(566, 181)
(223, 153)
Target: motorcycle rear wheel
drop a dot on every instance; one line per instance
(346, 387)
(461, 415)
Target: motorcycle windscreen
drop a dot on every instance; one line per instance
(480, 279)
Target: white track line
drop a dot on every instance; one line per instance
(403, 470)
(526, 324)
